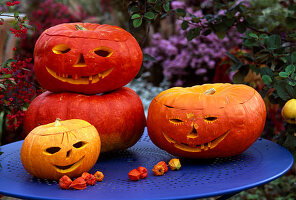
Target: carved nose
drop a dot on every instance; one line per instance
(193, 133)
(80, 61)
(68, 153)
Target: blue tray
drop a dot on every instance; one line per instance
(264, 161)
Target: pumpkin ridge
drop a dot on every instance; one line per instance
(80, 37)
(61, 132)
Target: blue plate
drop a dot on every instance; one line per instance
(264, 161)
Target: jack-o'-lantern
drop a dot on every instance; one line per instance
(86, 58)
(118, 116)
(68, 147)
(206, 121)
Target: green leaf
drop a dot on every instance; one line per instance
(250, 43)
(147, 57)
(134, 9)
(28, 26)
(221, 35)
(180, 12)
(266, 71)
(207, 32)
(16, 14)
(137, 22)
(285, 60)
(192, 33)
(184, 25)
(284, 74)
(195, 19)
(284, 90)
(253, 35)
(149, 15)
(290, 69)
(291, 22)
(2, 86)
(229, 22)
(264, 91)
(163, 15)
(292, 83)
(6, 76)
(292, 7)
(151, 1)
(274, 42)
(241, 27)
(166, 7)
(157, 8)
(136, 16)
(238, 77)
(232, 57)
(267, 79)
(293, 57)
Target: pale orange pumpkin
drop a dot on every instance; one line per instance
(211, 120)
(68, 147)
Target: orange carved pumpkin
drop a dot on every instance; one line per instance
(118, 116)
(86, 58)
(211, 120)
(68, 147)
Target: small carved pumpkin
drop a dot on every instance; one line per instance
(211, 120)
(86, 58)
(68, 147)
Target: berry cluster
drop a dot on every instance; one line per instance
(17, 89)
(12, 3)
(19, 30)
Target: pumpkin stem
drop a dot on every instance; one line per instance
(210, 91)
(57, 122)
(79, 27)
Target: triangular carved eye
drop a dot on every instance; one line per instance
(103, 51)
(61, 49)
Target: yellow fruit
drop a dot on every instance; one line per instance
(289, 111)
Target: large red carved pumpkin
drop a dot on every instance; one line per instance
(118, 116)
(86, 58)
(211, 120)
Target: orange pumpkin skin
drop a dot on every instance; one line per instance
(186, 122)
(99, 59)
(70, 148)
(118, 116)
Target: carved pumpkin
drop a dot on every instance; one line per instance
(86, 58)
(68, 147)
(118, 116)
(211, 120)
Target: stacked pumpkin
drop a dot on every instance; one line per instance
(84, 67)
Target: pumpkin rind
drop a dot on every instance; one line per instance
(66, 59)
(118, 116)
(51, 151)
(187, 122)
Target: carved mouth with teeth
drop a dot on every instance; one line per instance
(197, 148)
(76, 79)
(68, 168)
